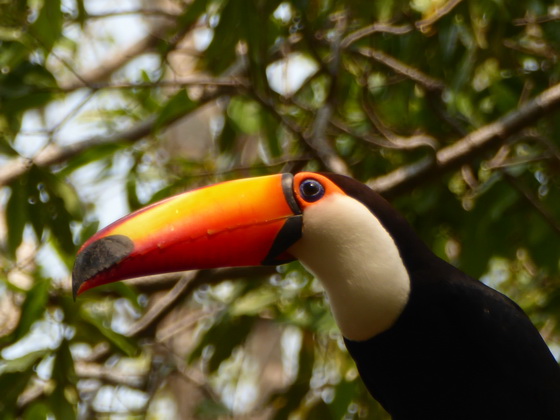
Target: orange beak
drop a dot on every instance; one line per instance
(245, 222)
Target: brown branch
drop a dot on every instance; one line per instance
(55, 154)
(491, 135)
(161, 306)
(397, 141)
(142, 12)
(85, 370)
(116, 61)
(187, 283)
(535, 19)
(317, 138)
(178, 82)
(372, 29)
(427, 82)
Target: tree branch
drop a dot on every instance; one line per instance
(142, 12)
(372, 29)
(116, 61)
(178, 82)
(54, 154)
(317, 138)
(427, 82)
(397, 141)
(188, 282)
(407, 177)
(87, 370)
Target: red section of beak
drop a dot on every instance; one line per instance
(234, 223)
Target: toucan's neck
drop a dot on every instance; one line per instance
(358, 263)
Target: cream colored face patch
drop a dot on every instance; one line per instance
(345, 246)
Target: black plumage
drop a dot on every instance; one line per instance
(459, 350)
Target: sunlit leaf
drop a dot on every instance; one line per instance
(33, 307)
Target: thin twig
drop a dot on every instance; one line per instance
(536, 19)
(317, 138)
(108, 375)
(55, 154)
(161, 307)
(533, 201)
(372, 29)
(427, 82)
(451, 157)
(104, 70)
(398, 142)
(184, 323)
(142, 12)
(178, 82)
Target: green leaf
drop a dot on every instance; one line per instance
(192, 13)
(180, 104)
(345, 392)
(63, 368)
(253, 302)
(6, 148)
(82, 13)
(320, 411)
(16, 214)
(23, 363)
(131, 196)
(210, 409)
(26, 86)
(225, 335)
(37, 411)
(227, 137)
(293, 397)
(93, 154)
(48, 27)
(33, 307)
(12, 385)
(270, 127)
(12, 54)
(220, 54)
(125, 344)
(60, 406)
(65, 377)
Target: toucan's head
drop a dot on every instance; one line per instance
(335, 225)
(245, 222)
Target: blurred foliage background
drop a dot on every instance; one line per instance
(447, 107)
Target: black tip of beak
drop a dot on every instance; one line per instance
(99, 256)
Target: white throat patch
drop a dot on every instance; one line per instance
(345, 246)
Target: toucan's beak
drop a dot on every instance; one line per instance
(237, 223)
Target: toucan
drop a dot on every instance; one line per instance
(429, 341)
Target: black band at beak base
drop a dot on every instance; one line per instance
(288, 235)
(291, 231)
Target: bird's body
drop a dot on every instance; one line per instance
(460, 350)
(429, 341)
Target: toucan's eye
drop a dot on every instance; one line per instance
(311, 190)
